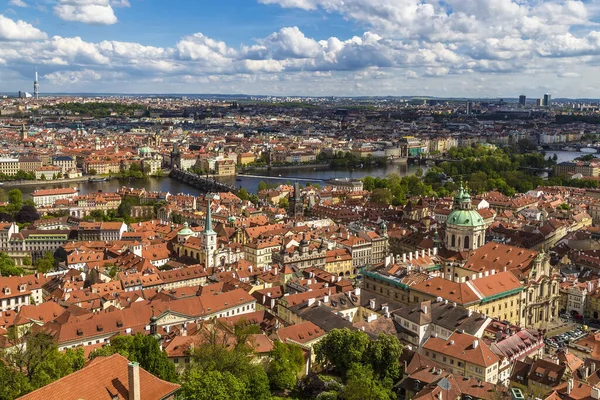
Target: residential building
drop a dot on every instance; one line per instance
(47, 197)
(464, 354)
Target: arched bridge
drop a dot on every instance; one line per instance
(205, 184)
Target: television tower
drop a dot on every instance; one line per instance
(36, 86)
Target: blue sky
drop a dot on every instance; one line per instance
(303, 47)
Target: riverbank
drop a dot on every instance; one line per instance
(286, 167)
(51, 181)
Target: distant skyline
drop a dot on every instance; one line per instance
(451, 48)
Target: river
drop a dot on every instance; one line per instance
(251, 184)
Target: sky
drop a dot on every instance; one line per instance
(444, 48)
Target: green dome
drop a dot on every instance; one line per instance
(186, 231)
(231, 219)
(465, 218)
(145, 150)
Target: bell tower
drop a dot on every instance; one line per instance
(209, 236)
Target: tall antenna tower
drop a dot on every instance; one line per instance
(36, 86)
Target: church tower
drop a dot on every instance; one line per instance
(208, 237)
(296, 203)
(465, 229)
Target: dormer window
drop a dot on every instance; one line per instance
(6, 290)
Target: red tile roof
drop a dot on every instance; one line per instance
(103, 378)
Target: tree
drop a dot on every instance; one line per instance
(27, 214)
(383, 355)
(124, 208)
(254, 199)
(419, 172)
(361, 384)
(342, 347)
(211, 385)
(14, 383)
(262, 186)
(284, 202)
(286, 363)
(27, 261)
(15, 200)
(382, 196)
(43, 177)
(8, 267)
(45, 264)
(216, 356)
(243, 194)
(143, 349)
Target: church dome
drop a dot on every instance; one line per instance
(186, 231)
(465, 218)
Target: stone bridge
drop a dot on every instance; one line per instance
(199, 182)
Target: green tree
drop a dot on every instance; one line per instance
(211, 385)
(262, 185)
(43, 177)
(341, 348)
(14, 383)
(419, 172)
(382, 196)
(383, 355)
(254, 199)
(143, 349)
(216, 356)
(45, 264)
(243, 194)
(286, 363)
(8, 266)
(284, 202)
(27, 261)
(361, 384)
(92, 171)
(15, 200)
(124, 209)
(368, 183)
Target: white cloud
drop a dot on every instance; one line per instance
(18, 3)
(477, 46)
(96, 12)
(19, 30)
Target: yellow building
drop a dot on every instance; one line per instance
(339, 262)
(496, 296)
(466, 355)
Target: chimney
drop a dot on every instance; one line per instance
(470, 312)
(569, 385)
(592, 367)
(435, 251)
(586, 372)
(595, 393)
(416, 254)
(429, 251)
(475, 343)
(424, 309)
(410, 256)
(404, 257)
(133, 370)
(422, 252)
(311, 302)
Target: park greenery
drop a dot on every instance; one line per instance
(96, 110)
(143, 349)
(348, 160)
(19, 176)
(509, 170)
(34, 361)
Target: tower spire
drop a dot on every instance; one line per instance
(36, 85)
(208, 223)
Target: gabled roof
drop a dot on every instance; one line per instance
(103, 378)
